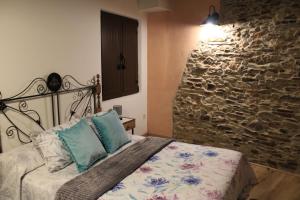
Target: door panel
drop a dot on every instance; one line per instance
(130, 49)
(111, 45)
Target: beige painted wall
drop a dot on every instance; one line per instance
(38, 37)
(171, 37)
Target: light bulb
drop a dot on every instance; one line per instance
(212, 33)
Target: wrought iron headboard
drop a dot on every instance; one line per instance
(87, 99)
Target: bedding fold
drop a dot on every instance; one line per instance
(103, 177)
(14, 165)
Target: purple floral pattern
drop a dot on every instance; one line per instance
(184, 155)
(210, 153)
(156, 182)
(117, 187)
(153, 158)
(180, 172)
(191, 180)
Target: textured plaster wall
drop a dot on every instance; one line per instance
(171, 36)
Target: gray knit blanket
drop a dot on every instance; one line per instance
(100, 179)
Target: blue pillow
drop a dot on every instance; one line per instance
(83, 144)
(111, 130)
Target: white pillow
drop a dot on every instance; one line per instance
(54, 153)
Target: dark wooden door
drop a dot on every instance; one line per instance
(119, 55)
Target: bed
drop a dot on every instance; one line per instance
(146, 168)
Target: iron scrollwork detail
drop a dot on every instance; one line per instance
(37, 88)
(2, 106)
(69, 83)
(82, 100)
(32, 114)
(14, 129)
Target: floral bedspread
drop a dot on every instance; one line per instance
(187, 172)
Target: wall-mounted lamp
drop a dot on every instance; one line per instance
(210, 31)
(213, 16)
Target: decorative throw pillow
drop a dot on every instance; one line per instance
(54, 153)
(83, 144)
(92, 125)
(111, 130)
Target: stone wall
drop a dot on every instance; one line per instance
(244, 93)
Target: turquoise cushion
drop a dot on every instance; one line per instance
(111, 130)
(83, 144)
